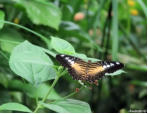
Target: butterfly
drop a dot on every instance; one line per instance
(87, 71)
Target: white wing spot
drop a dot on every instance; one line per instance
(108, 65)
(62, 55)
(104, 66)
(117, 63)
(66, 58)
(69, 60)
(111, 64)
(72, 62)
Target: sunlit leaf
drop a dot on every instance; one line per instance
(44, 13)
(31, 63)
(68, 106)
(14, 107)
(61, 46)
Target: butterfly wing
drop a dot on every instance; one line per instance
(97, 70)
(78, 70)
(81, 70)
(76, 66)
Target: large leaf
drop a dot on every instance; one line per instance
(2, 16)
(62, 46)
(68, 106)
(42, 12)
(32, 91)
(14, 107)
(9, 38)
(31, 63)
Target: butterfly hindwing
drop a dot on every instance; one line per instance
(111, 66)
(97, 70)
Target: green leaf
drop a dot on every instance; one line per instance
(9, 38)
(62, 46)
(68, 106)
(84, 57)
(93, 59)
(137, 67)
(69, 26)
(44, 13)
(143, 6)
(14, 107)
(143, 93)
(80, 55)
(34, 92)
(3, 79)
(31, 63)
(139, 83)
(2, 17)
(115, 73)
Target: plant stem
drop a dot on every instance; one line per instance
(115, 39)
(50, 89)
(59, 74)
(73, 93)
(29, 30)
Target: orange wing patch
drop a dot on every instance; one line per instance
(95, 71)
(78, 69)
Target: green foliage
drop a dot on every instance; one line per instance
(115, 39)
(68, 106)
(2, 16)
(9, 39)
(33, 91)
(31, 63)
(15, 107)
(61, 46)
(42, 12)
(32, 81)
(116, 73)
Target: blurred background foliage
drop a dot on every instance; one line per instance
(102, 29)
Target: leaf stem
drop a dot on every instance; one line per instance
(115, 39)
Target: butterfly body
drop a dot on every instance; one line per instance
(87, 71)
